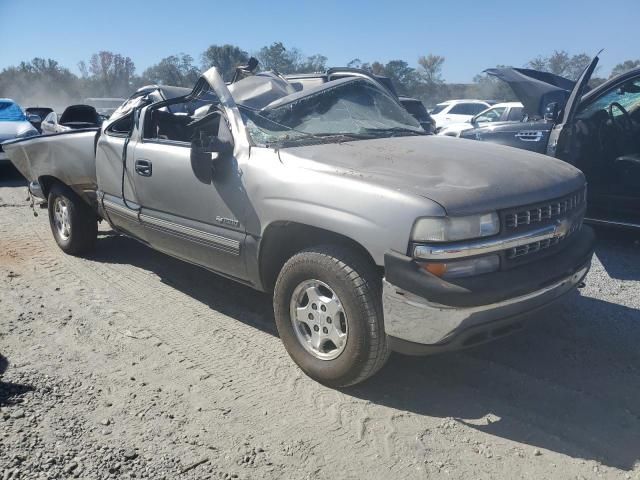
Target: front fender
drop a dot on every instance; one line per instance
(378, 218)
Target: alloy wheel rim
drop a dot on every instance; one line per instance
(61, 218)
(319, 320)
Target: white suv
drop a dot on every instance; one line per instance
(457, 111)
(500, 112)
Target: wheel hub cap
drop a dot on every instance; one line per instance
(61, 218)
(318, 319)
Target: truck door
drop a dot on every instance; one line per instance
(121, 211)
(192, 207)
(560, 140)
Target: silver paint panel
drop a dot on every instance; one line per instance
(198, 236)
(68, 157)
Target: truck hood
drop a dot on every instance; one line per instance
(463, 176)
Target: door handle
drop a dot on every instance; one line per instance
(143, 167)
(529, 135)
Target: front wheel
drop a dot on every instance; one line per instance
(328, 311)
(73, 223)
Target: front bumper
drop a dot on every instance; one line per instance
(424, 314)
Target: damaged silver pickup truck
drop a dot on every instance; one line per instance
(372, 236)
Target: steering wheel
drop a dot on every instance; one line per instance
(624, 122)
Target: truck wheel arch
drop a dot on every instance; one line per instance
(47, 181)
(282, 239)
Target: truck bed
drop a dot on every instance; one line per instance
(68, 157)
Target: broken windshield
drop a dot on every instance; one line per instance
(350, 108)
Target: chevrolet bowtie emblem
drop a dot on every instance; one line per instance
(563, 227)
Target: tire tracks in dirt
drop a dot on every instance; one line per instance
(244, 366)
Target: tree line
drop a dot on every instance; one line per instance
(108, 74)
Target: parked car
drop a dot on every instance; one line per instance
(372, 235)
(73, 118)
(40, 113)
(456, 111)
(14, 123)
(597, 131)
(493, 116)
(414, 106)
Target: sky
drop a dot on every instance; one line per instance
(471, 35)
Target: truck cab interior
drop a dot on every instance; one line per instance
(607, 148)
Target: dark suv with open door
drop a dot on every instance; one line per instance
(597, 131)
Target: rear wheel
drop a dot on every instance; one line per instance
(328, 310)
(73, 222)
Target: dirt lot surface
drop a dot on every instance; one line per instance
(130, 364)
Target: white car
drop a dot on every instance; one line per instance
(14, 123)
(500, 112)
(456, 111)
(74, 117)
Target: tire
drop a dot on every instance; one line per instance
(76, 230)
(346, 286)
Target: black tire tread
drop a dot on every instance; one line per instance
(83, 222)
(367, 284)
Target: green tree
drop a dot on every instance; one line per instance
(624, 67)
(277, 57)
(40, 82)
(313, 64)
(431, 68)
(111, 74)
(561, 63)
(177, 70)
(490, 88)
(225, 58)
(289, 60)
(402, 75)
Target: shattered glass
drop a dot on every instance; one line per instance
(350, 108)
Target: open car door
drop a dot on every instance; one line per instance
(561, 137)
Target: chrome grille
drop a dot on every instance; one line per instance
(546, 211)
(532, 248)
(542, 244)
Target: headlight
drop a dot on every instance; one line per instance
(448, 229)
(463, 268)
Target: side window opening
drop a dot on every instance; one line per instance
(475, 108)
(179, 121)
(516, 114)
(121, 127)
(459, 109)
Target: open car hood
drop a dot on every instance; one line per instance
(535, 89)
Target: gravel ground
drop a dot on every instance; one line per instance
(130, 364)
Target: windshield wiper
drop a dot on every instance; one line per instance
(393, 131)
(325, 137)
